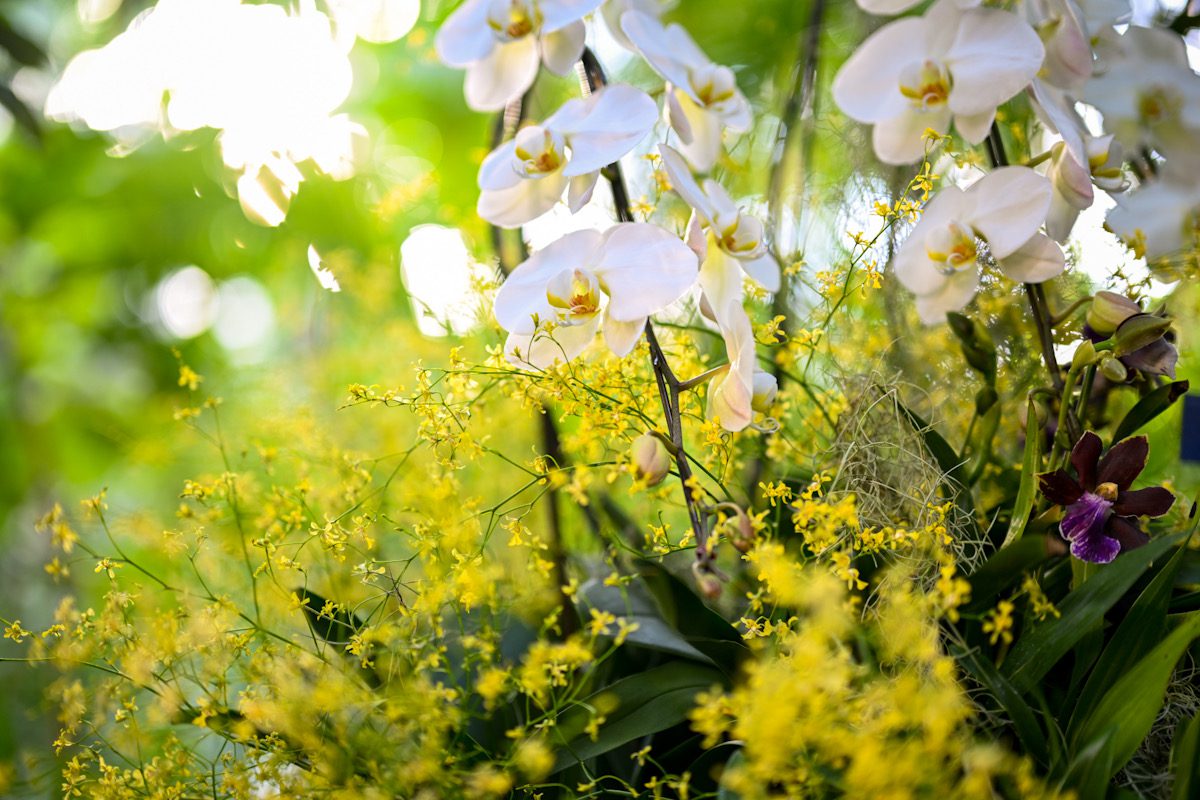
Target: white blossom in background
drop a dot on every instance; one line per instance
(376, 21)
(587, 282)
(1150, 97)
(612, 10)
(1060, 24)
(926, 72)
(1159, 219)
(526, 176)
(728, 241)
(501, 44)
(938, 262)
(703, 99)
(1078, 163)
(887, 8)
(269, 81)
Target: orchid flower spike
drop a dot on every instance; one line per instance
(553, 304)
(702, 97)
(924, 72)
(727, 239)
(1004, 209)
(524, 177)
(501, 43)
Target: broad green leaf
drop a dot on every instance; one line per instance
(1128, 709)
(634, 602)
(1024, 721)
(1142, 629)
(1043, 645)
(1090, 770)
(1004, 568)
(725, 793)
(634, 707)
(1185, 760)
(1149, 407)
(1031, 465)
(683, 608)
(336, 628)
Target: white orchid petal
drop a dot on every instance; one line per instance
(731, 399)
(558, 14)
(497, 172)
(684, 183)
(622, 337)
(902, 140)
(580, 190)
(704, 148)
(867, 87)
(673, 111)
(764, 270)
(720, 281)
(1010, 204)
(994, 56)
(563, 47)
(541, 350)
(954, 295)
(669, 51)
(1060, 219)
(886, 8)
(974, 127)
(912, 265)
(503, 76)
(614, 121)
(523, 293)
(522, 202)
(644, 269)
(1036, 261)
(465, 36)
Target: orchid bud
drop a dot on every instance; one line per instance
(1139, 331)
(1108, 311)
(1085, 355)
(737, 529)
(708, 584)
(765, 388)
(1112, 368)
(649, 460)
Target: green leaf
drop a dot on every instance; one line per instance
(1185, 760)
(634, 602)
(1024, 720)
(1090, 770)
(1142, 629)
(683, 608)
(1128, 709)
(21, 49)
(1031, 465)
(1004, 568)
(1042, 646)
(725, 793)
(1148, 408)
(634, 707)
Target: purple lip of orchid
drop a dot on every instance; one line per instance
(1101, 510)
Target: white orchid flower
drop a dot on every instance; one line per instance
(938, 262)
(1064, 33)
(887, 8)
(1150, 97)
(612, 10)
(1159, 219)
(702, 97)
(524, 177)
(1078, 162)
(728, 240)
(587, 281)
(731, 395)
(501, 42)
(924, 72)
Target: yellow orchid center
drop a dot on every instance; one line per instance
(712, 83)
(538, 151)
(513, 19)
(1107, 491)
(575, 294)
(1159, 104)
(927, 84)
(952, 247)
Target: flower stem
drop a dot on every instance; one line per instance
(592, 77)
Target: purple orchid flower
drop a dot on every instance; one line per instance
(1101, 510)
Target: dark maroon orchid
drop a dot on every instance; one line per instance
(1101, 510)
